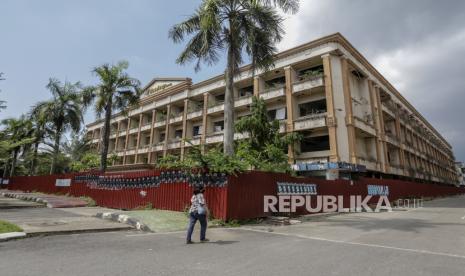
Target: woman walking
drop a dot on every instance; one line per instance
(198, 211)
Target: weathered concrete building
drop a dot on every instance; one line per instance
(325, 89)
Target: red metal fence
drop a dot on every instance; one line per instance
(241, 198)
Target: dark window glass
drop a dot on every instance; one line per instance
(219, 98)
(277, 114)
(317, 143)
(196, 130)
(218, 126)
(178, 134)
(246, 91)
(314, 107)
(276, 82)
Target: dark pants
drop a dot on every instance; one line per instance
(193, 217)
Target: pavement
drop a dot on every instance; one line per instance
(426, 241)
(13, 203)
(47, 221)
(52, 201)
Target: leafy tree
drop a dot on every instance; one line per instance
(116, 91)
(238, 27)
(78, 146)
(265, 148)
(87, 162)
(63, 112)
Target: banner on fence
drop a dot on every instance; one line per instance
(63, 182)
(4, 181)
(286, 188)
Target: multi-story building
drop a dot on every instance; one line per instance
(460, 172)
(326, 90)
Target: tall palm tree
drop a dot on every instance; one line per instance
(18, 134)
(115, 92)
(63, 112)
(39, 121)
(236, 26)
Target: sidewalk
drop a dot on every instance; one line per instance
(13, 203)
(52, 201)
(41, 221)
(47, 221)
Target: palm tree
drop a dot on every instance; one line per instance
(63, 112)
(236, 26)
(116, 91)
(39, 120)
(17, 134)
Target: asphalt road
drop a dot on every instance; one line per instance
(426, 241)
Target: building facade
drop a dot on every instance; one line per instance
(461, 172)
(326, 90)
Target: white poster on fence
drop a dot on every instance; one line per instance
(63, 182)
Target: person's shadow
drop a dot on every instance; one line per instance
(221, 242)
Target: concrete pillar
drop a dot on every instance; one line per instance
(203, 138)
(376, 124)
(154, 113)
(167, 129)
(184, 127)
(382, 135)
(141, 116)
(330, 117)
(349, 111)
(290, 107)
(126, 140)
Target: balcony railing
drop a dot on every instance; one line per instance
(216, 107)
(308, 84)
(310, 121)
(272, 92)
(158, 146)
(194, 114)
(176, 118)
(215, 137)
(159, 123)
(241, 101)
(193, 141)
(174, 143)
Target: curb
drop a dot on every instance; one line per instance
(27, 198)
(137, 224)
(12, 236)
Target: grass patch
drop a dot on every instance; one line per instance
(6, 227)
(160, 220)
(90, 202)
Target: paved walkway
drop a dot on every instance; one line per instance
(13, 203)
(39, 221)
(52, 201)
(36, 221)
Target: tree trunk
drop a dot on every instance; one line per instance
(13, 162)
(5, 169)
(228, 146)
(106, 137)
(56, 150)
(32, 169)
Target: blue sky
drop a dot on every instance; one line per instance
(418, 45)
